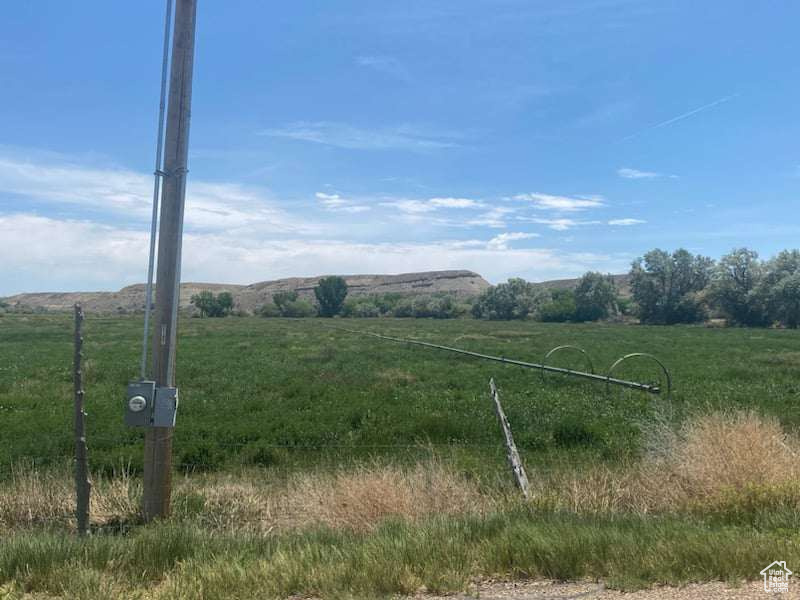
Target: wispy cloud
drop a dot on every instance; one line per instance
(388, 65)
(500, 242)
(561, 203)
(626, 173)
(127, 195)
(417, 207)
(343, 135)
(560, 224)
(411, 207)
(456, 203)
(494, 218)
(335, 203)
(680, 117)
(626, 222)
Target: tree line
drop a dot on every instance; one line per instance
(665, 288)
(330, 294)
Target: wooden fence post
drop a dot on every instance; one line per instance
(83, 485)
(511, 449)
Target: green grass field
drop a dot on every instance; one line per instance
(266, 400)
(270, 391)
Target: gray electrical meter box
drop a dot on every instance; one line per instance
(165, 407)
(149, 406)
(139, 403)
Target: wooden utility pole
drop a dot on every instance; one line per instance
(158, 440)
(83, 485)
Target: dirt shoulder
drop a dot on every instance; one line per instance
(550, 590)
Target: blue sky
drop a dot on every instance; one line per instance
(514, 138)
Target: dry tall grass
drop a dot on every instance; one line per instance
(699, 465)
(33, 497)
(710, 458)
(356, 499)
(719, 453)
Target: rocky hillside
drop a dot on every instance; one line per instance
(623, 283)
(249, 297)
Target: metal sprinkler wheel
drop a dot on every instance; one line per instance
(567, 347)
(646, 356)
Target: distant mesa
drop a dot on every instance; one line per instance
(131, 299)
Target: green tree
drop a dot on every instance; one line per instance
(516, 299)
(781, 288)
(225, 302)
(595, 297)
(737, 290)
(560, 307)
(330, 292)
(288, 304)
(204, 301)
(668, 287)
(283, 298)
(211, 305)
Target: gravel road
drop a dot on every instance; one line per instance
(550, 590)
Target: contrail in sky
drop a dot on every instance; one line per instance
(685, 115)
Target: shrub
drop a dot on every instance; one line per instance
(298, 309)
(516, 299)
(363, 307)
(404, 308)
(560, 307)
(269, 310)
(282, 298)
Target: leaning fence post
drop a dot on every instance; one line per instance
(83, 485)
(511, 449)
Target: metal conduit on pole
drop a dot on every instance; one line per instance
(157, 173)
(158, 440)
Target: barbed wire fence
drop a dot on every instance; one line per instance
(203, 453)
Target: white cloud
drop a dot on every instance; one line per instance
(500, 242)
(455, 203)
(410, 207)
(330, 200)
(49, 254)
(626, 222)
(127, 194)
(560, 224)
(561, 203)
(43, 254)
(636, 174)
(343, 135)
(335, 203)
(108, 189)
(495, 218)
